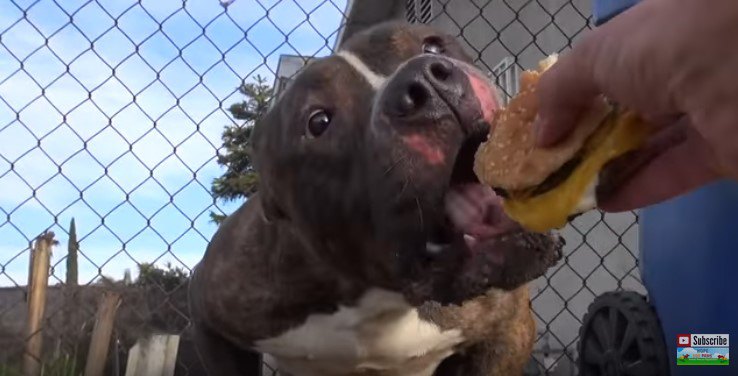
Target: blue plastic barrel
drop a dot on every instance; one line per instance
(604, 10)
(689, 264)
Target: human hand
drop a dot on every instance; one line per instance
(675, 62)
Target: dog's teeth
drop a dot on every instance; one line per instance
(470, 240)
(433, 247)
(556, 234)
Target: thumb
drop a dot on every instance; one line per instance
(605, 61)
(565, 91)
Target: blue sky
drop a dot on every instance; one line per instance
(144, 166)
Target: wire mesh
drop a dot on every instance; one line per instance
(112, 113)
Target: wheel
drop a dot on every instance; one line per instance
(621, 336)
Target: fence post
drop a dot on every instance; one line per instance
(39, 280)
(101, 333)
(153, 356)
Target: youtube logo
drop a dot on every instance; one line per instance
(684, 340)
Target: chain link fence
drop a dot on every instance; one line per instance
(112, 114)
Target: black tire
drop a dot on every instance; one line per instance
(621, 336)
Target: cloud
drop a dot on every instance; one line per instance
(688, 350)
(115, 119)
(721, 351)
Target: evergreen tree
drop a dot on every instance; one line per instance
(240, 180)
(168, 278)
(72, 249)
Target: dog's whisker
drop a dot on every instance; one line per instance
(405, 184)
(420, 212)
(394, 164)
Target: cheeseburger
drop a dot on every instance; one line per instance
(543, 188)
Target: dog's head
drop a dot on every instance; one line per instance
(368, 157)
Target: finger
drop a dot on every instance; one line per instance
(679, 169)
(616, 60)
(565, 90)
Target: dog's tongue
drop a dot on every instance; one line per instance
(477, 211)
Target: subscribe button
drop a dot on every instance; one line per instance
(703, 349)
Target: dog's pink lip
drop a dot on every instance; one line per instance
(487, 95)
(430, 152)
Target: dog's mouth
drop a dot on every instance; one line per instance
(493, 250)
(473, 212)
(474, 245)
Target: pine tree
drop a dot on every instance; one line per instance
(240, 180)
(72, 248)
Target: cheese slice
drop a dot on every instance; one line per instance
(619, 134)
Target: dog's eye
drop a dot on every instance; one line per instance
(318, 123)
(433, 45)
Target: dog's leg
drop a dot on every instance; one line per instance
(221, 358)
(505, 354)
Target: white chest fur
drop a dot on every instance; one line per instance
(381, 333)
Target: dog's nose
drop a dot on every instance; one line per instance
(413, 98)
(421, 80)
(438, 72)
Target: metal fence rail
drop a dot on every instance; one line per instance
(112, 114)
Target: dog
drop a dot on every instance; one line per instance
(370, 247)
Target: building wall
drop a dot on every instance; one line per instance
(526, 30)
(287, 68)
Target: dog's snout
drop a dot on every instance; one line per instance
(437, 92)
(421, 82)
